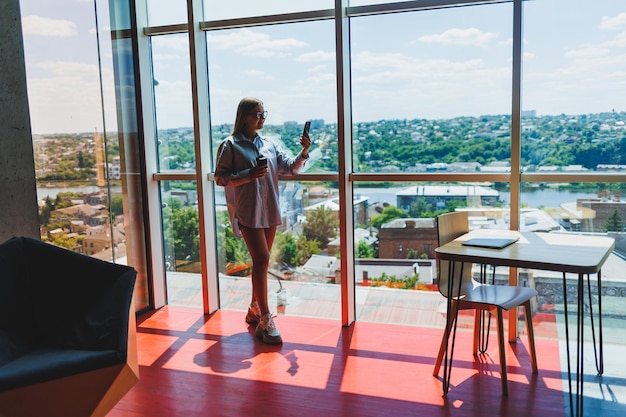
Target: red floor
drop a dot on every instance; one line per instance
(191, 365)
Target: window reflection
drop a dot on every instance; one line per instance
(432, 93)
(304, 265)
(293, 74)
(573, 121)
(181, 242)
(172, 96)
(166, 12)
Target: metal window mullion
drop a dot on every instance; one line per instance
(206, 203)
(252, 21)
(573, 177)
(516, 147)
(159, 288)
(414, 5)
(344, 130)
(516, 115)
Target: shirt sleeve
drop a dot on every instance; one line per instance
(289, 166)
(225, 174)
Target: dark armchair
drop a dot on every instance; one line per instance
(67, 331)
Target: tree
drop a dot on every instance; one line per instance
(419, 207)
(614, 223)
(364, 251)
(64, 241)
(181, 231)
(306, 249)
(412, 253)
(321, 225)
(116, 205)
(231, 249)
(186, 237)
(45, 211)
(285, 250)
(389, 213)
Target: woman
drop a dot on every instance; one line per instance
(248, 166)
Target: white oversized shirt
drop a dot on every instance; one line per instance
(251, 202)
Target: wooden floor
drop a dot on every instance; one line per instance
(193, 365)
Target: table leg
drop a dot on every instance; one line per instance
(451, 325)
(569, 370)
(597, 346)
(580, 345)
(577, 409)
(484, 315)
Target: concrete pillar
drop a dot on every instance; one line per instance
(18, 190)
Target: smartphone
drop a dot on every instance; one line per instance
(307, 126)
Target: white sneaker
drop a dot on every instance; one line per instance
(254, 314)
(267, 331)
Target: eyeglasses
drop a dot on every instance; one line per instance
(260, 114)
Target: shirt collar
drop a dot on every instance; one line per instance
(240, 137)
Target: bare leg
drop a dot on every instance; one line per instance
(259, 243)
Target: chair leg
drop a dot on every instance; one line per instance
(442, 348)
(501, 347)
(531, 336)
(477, 329)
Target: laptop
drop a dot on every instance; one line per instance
(491, 242)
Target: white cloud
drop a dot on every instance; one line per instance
(586, 52)
(318, 68)
(67, 99)
(73, 70)
(177, 43)
(397, 65)
(317, 56)
(456, 36)
(251, 43)
(613, 23)
(42, 26)
(618, 42)
(259, 75)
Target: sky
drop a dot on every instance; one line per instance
(431, 64)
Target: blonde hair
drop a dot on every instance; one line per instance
(245, 105)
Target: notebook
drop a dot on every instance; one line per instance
(491, 242)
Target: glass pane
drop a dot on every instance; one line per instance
(432, 90)
(181, 242)
(166, 12)
(293, 74)
(575, 109)
(587, 209)
(395, 271)
(216, 9)
(172, 95)
(304, 263)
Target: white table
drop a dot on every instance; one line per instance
(562, 252)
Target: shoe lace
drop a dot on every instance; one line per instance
(269, 322)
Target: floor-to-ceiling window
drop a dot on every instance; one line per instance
(416, 109)
(81, 88)
(501, 110)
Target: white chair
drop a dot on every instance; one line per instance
(476, 296)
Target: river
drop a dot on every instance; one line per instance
(546, 198)
(43, 192)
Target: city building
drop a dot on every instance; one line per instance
(592, 215)
(400, 238)
(438, 196)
